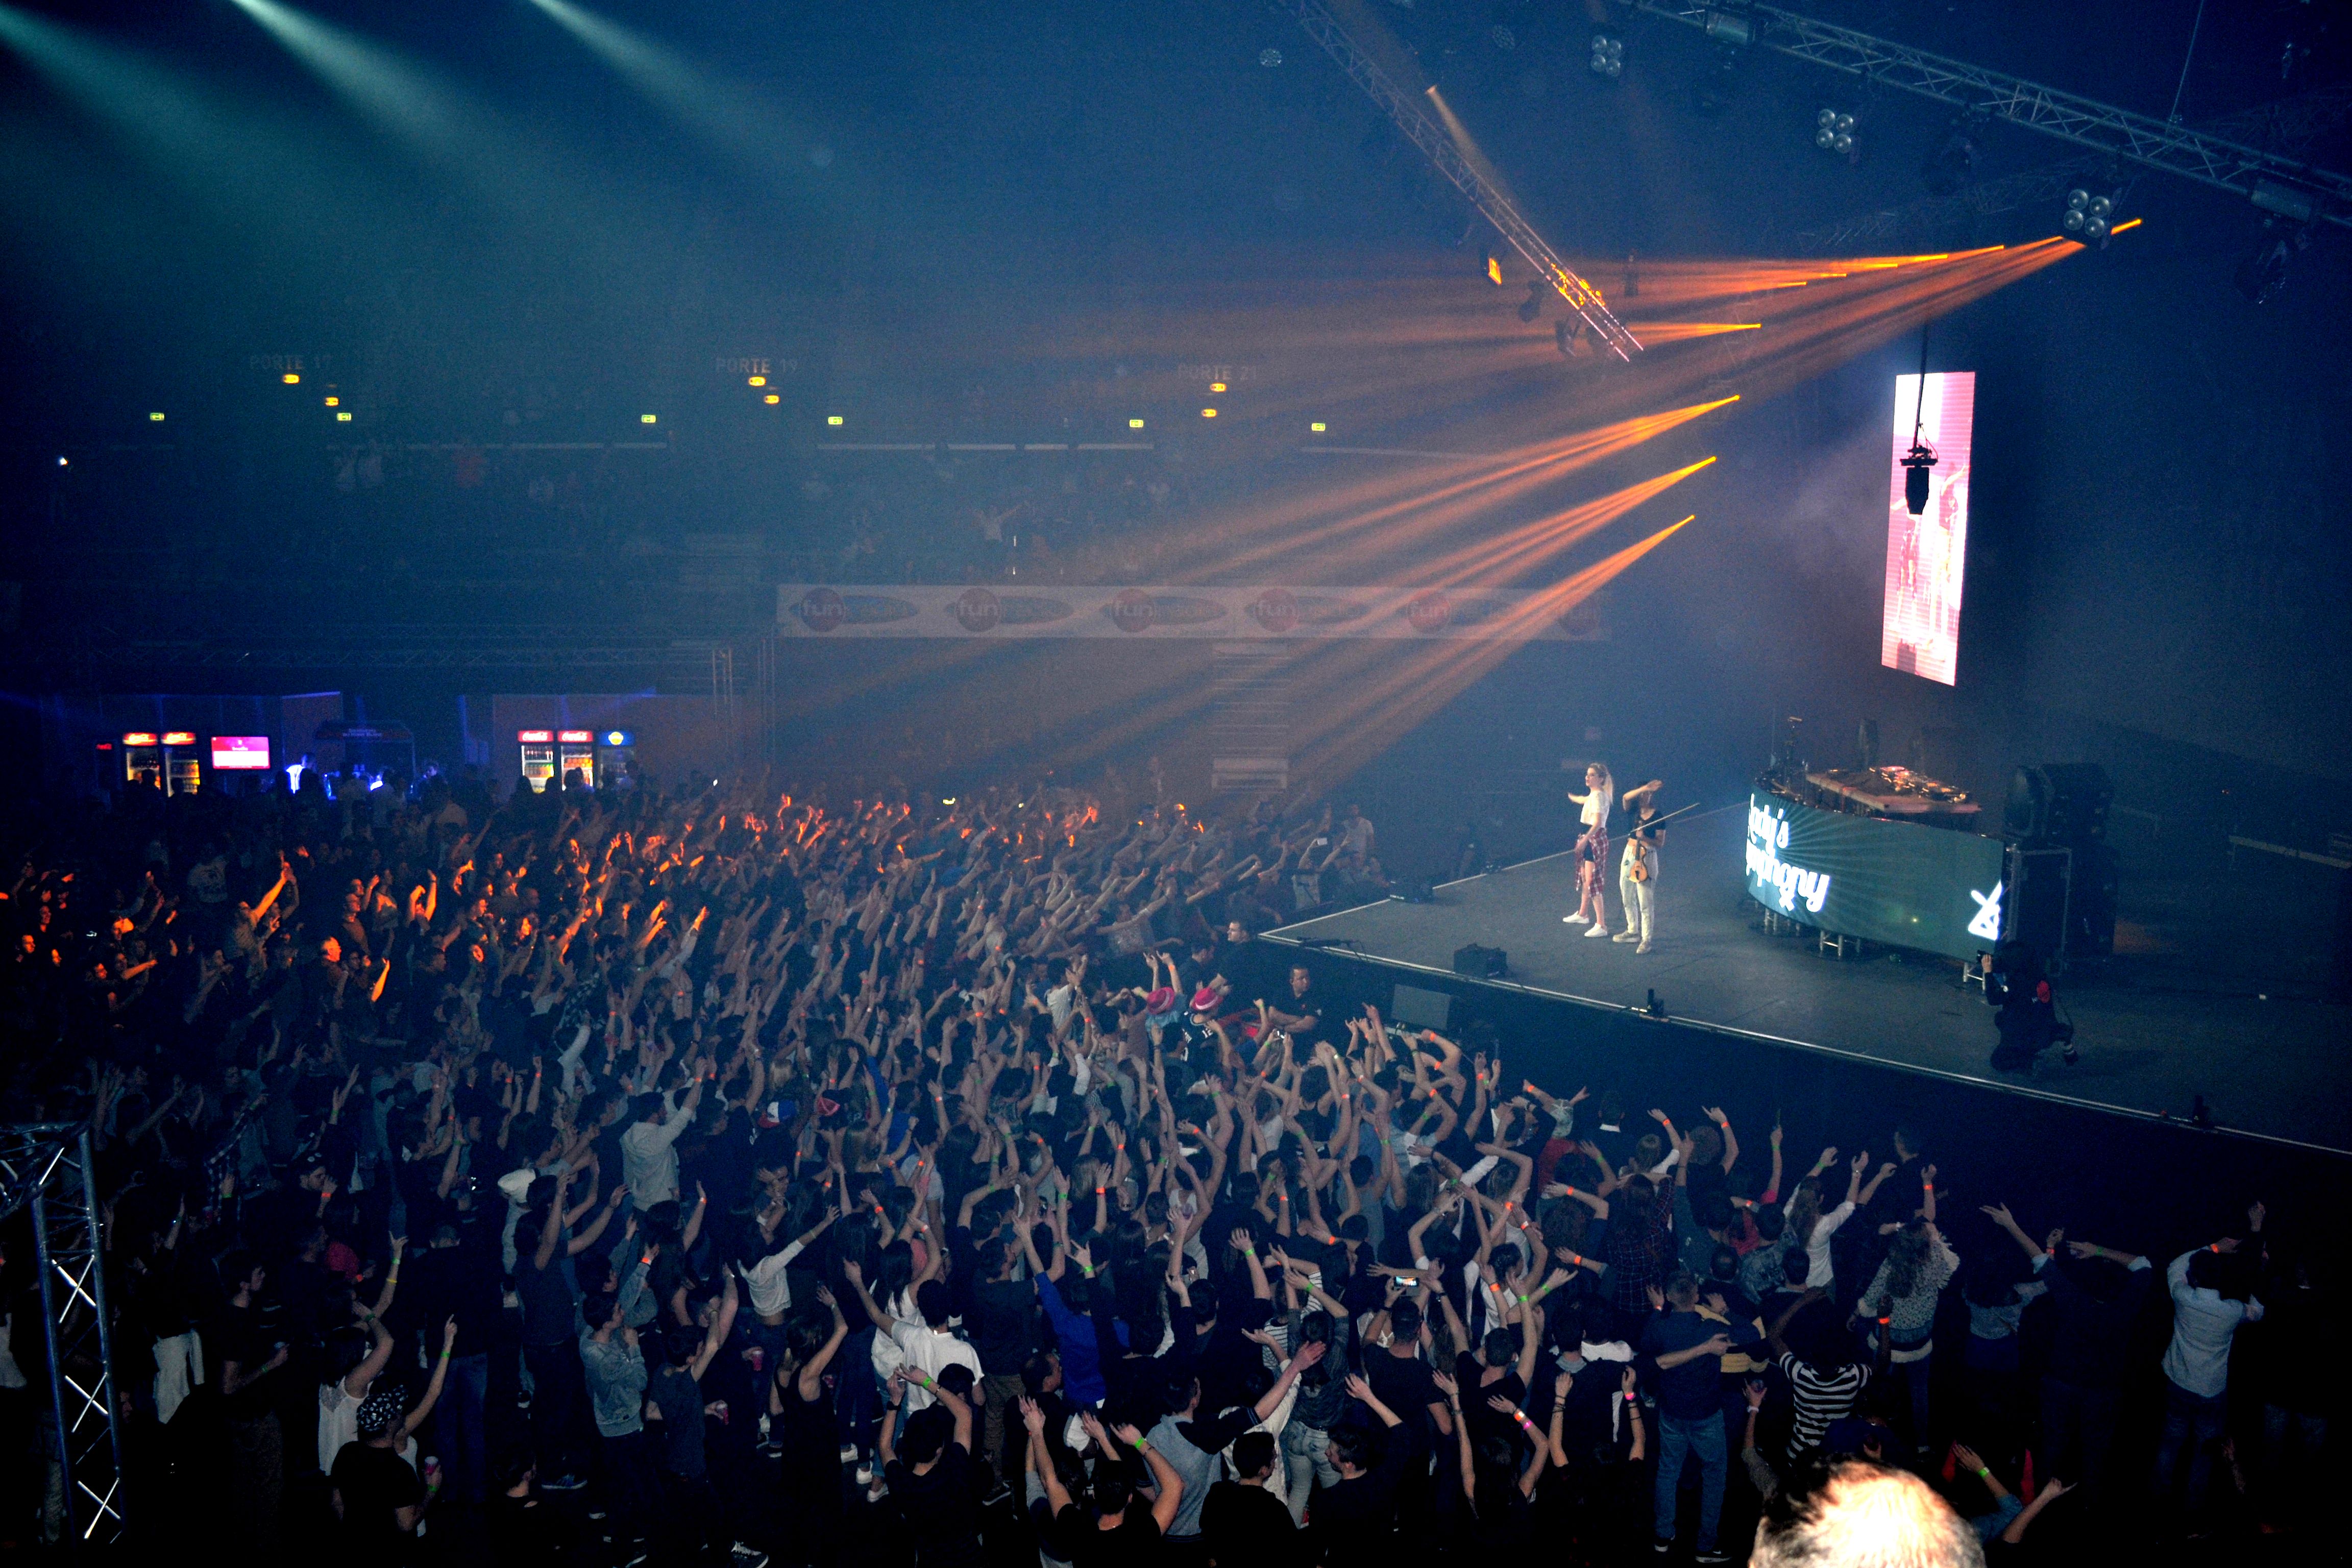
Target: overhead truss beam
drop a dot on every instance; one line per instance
(2287, 127)
(1434, 144)
(2209, 159)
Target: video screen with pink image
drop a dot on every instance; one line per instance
(1926, 554)
(241, 750)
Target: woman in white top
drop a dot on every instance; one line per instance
(1806, 1219)
(1592, 850)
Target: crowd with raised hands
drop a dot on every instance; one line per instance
(724, 1174)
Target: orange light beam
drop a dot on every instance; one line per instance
(1654, 333)
(1367, 717)
(1370, 521)
(1492, 558)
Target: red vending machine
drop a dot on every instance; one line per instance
(575, 753)
(538, 748)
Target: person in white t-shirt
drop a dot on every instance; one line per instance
(1592, 850)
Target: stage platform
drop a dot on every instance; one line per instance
(2270, 1069)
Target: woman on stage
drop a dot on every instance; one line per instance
(1637, 873)
(1592, 850)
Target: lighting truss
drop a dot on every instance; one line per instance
(1496, 208)
(2285, 127)
(49, 1165)
(2209, 159)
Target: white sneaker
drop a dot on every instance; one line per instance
(1625, 936)
(1644, 947)
(1575, 920)
(1598, 929)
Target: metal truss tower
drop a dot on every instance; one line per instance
(1438, 147)
(49, 1166)
(2202, 156)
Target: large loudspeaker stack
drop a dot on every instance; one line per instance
(2062, 874)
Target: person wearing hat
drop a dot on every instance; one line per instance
(377, 1497)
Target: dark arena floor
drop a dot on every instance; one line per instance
(2268, 1066)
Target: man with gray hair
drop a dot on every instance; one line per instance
(1860, 1515)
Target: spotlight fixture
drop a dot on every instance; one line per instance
(1730, 28)
(1833, 131)
(2263, 274)
(2089, 218)
(1916, 463)
(1608, 56)
(1532, 306)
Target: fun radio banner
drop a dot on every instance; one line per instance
(1225, 614)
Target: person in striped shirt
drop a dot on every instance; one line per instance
(1825, 1376)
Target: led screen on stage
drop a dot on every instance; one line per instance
(1924, 554)
(1934, 889)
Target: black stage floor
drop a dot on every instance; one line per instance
(2269, 1068)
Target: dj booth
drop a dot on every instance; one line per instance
(1893, 857)
(1882, 854)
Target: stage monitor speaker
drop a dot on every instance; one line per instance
(1481, 963)
(1417, 890)
(2034, 904)
(1422, 1009)
(2058, 803)
(2091, 903)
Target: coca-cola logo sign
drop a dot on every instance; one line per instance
(977, 610)
(1131, 610)
(1429, 612)
(821, 610)
(1276, 610)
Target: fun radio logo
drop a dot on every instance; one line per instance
(1429, 612)
(1276, 610)
(977, 610)
(1131, 610)
(821, 610)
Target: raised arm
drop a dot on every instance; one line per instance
(1163, 1474)
(720, 1327)
(1998, 1213)
(1452, 1392)
(416, 1418)
(1057, 1495)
